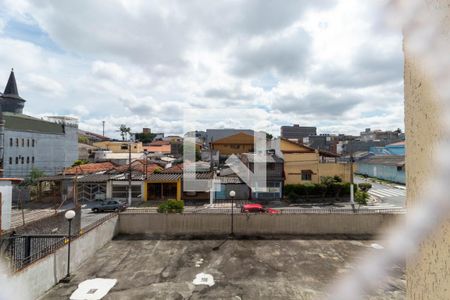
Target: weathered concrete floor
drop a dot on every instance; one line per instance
(242, 269)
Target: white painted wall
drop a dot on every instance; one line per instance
(6, 196)
(42, 275)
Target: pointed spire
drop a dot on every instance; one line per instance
(11, 86)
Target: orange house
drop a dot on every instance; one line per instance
(234, 144)
(159, 146)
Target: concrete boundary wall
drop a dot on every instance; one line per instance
(248, 225)
(43, 274)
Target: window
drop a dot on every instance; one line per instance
(23, 142)
(17, 160)
(28, 159)
(17, 142)
(124, 147)
(10, 142)
(32, 143)
(32, 160)
(306, 175)
(10, 160)
(28, 142)
(235, 146)
(23, 160)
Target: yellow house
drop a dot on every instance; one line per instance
(303, 164)
(234, 144)
(163, 186)
(120, 147)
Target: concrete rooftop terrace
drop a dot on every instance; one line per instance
(242, 269)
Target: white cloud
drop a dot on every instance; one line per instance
(324, 63)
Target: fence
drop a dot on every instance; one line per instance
(22, 250)
(282, 211)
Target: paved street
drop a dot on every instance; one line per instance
(389, 195)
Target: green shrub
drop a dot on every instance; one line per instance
(365, 186)
(171, 206)
(162, 208)
(361, 197)
(292, 196)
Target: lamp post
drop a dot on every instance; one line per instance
(352, 190)
(232, 195)
(69, 215)
(145, 164)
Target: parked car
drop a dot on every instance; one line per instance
(109, 205)
(258, 208)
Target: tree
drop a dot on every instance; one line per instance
(79, 162)
(361, 197)
(32, 179)
(83, 139)
(145, 137)
(124, 131)
(31, 182)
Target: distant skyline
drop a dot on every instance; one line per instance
(329, 64)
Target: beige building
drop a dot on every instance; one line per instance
(119, 147)
(303, 164)
(428, 274)
(234, 144)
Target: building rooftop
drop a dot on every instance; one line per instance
(89, 168)
(21, 122)
(241, 269)
(387, 160)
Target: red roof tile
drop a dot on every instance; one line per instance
(89, 168)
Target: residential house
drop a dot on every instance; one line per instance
(234, 144)
(379, 135)
(117, 158)
(120, 146)
(274, 174)
(227, 182)
(168, 184)
(217, 134)
(396, 148)
(86, 152)
(91, 137)
(163, 147)
(27, 142)
(386, 167)
(303, 164)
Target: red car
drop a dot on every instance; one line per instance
(258, 208)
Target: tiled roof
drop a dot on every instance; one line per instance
(170, 177)
(94, 178)
(158, 143)
(89, 168)
(138, 166)
(269, 158)
(239, 138)
(173, 177)
(308, 149)
(230, 180)
(174, 169)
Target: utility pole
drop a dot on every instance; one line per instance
(352, 190)
(129, 172)
(103, 124)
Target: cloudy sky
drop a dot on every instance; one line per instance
(242, 63)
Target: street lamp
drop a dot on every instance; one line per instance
(232, 195)
(69, 215)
